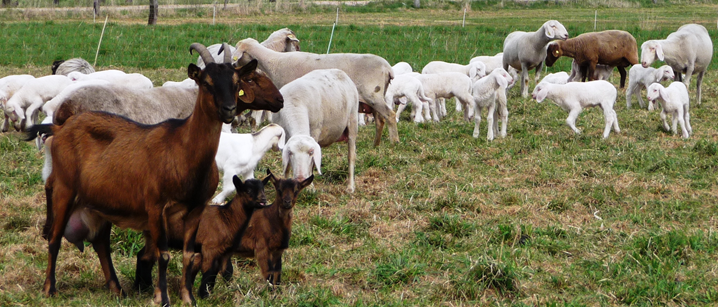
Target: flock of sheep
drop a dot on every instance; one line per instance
(316, 100)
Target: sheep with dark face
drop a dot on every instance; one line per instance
(612, 48)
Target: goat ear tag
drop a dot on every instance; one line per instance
(556, 52)
(241, 93)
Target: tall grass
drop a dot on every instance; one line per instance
(543, 217)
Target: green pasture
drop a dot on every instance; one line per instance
(543, 217)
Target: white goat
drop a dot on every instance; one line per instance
(409, 87)
(573, 97)
(486, 91)
(674, 100)
(323, 104)
(527, 50)
(239, 154)
(27, 101)
(689, 50)
(8, 86)
(371, 75)
(640, 77)
(133, 80)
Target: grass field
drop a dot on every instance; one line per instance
(543, 217)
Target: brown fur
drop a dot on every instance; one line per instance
(135, 175)
(613, 48)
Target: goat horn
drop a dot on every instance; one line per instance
(227, 55)
(203, 52)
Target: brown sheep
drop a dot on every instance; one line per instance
(160, 174)
(266, 237)
(613, 48)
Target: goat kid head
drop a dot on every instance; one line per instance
(288, 189)
(253, 189)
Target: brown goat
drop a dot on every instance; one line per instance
(167, 168)
(613, 48)
(265, 239)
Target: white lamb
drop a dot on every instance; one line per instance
(674, 100)
(475, 70)
(688, 51)
(189, 83)
(25, 104)
(560, 77)
(640, 77)
(408, 87)
(239, 154)
(8, 86)
(446, 85)
(324, 105)
(53, 104)
(401, 68)
(133, 80)
(527, 50)
(486, 91)
(490, 62)
(573, 97)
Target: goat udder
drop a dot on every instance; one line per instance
(76, 231)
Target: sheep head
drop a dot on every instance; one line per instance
(301, 153)
(650, 50)
(555, 30)
(655, 91)
(666, 73)
(540, 92)
(288, 189)
(553, 52)
(477, 70)
(240, 56)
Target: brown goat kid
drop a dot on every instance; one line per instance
(613, 48)
(265, 239)
(134, 175)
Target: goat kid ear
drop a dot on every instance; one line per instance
(193, 72)
(237, 183)
(306, 182)
(267, 179)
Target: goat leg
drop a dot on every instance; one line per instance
(62, 198)
(208, 279)
(161, 295)
(227, 269)
(143, 271)
(101, 245)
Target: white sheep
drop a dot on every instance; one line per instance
(674, 100)
(8, 86)
(560, 77)
(475, 70)
(490, 62)
(447, 85)
(51, 106)
(485, 92)
(371, 75)
(282, 40)
(573, 97)
(25, 104)
(239, 154)
(527, 50)
(401, 68)
(301, 154)
(640, 77)
(189, 83)
(133, 80)
(408, 87)
(688, 51)
(323, 104)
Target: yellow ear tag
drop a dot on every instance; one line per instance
(291, 36)
(235, 58)
(241, 92)
(556, 52)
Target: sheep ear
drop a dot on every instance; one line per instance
(282, 140)
(662, 93)
(306, 182)
(549, 31)
(285, 161)
(193, 72)
(237, 182)
(317, 157)
(473, 71)
(659, 52)
(503, 83)
(541, 95)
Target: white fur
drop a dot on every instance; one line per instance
(184, 83)
(409, 87)
(401, 68)
(301, 154)
(556, 78)
(133, 80)
(475, 70)
(527, 50)
(674, 100)
(485, 92)
(573, 97)
(446, 85)
(282, 40)
(640, 77)
(323, 104)
(53, 104)
(688, 51)
(27, 101)
(239, 154)
(8, 86)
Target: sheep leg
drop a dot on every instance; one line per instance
(416, 107)
(400, 109)
(477, 121)
(469, 111)
(31, 114)
(101, 245)
(62, 198)
(687, 118)
(622, 72)
(630, 91)
(608, 118)
(665, 122)
(6, 123)
(458, 106)
(379, 127)
(689, 73)
(524, 80)
(432, 108)
(699, 81)
(490, 121)
(353, 131)
(678, 116)
(571, 120)
(427, 110)
(674, 122)
(504, 112)
(537, 76)
(615, 122)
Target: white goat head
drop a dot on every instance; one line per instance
(650, 50)
(300, 153)
(555, 30)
